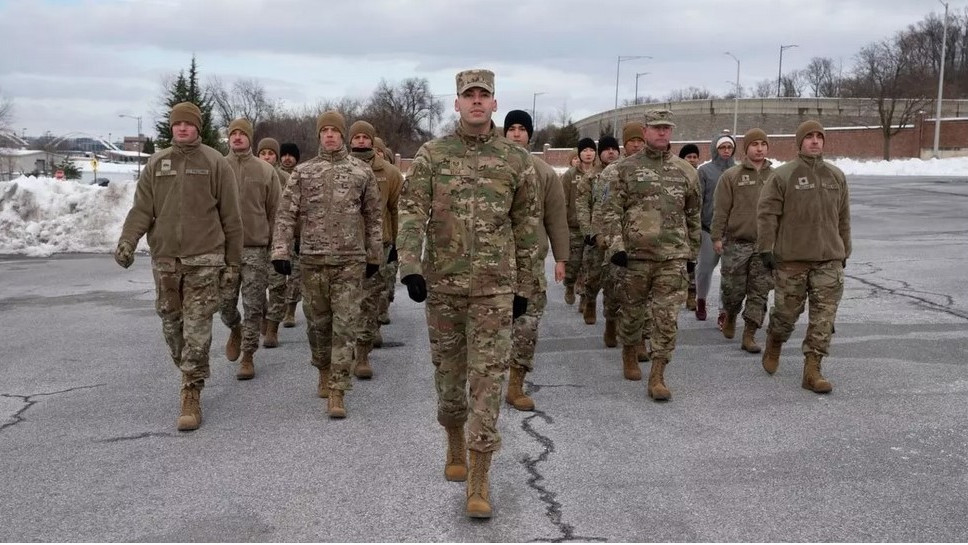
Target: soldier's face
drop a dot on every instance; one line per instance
(725, 150)
(517, 134)
(238, 140)
(330, 138)
(587, 156)
(634, 146)
(757, 150)
(184, 132)
(812, 144)
(361, 141)
(575, 160)
(692, 159)
(475, 107)
(288, 161)
(608, 156)
(268, 156)
(657, 136)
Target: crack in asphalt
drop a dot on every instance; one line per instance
(912, 293)
(144, 435)
(553, 509)
(29, 402)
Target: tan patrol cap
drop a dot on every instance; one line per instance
(656, 118)
(475, 78)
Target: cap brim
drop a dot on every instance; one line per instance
(473, 85)
(661, 124)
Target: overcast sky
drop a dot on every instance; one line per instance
(74, 66)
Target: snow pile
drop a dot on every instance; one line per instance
(955, 166)
(43, 216)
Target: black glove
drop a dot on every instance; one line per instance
(620, 258)
(519, 307)
(282, 266)
(295, 247)
(768, 259)
(392, 256)
(416, 287)
(371, 269)
(843, 264)
(590, 239)
(690, 267)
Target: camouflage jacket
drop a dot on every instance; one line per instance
(738, 191)
(590, 190)
(652, 207)
(474, 198)
(804, 212)
(336, 198)
(258, 196)
(570, 181)
(187, 201)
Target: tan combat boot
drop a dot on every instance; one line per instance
(233, 346)
(771, 356)
(191, 408)
(362, 368)
(478, 495)
(246, 368)
(569, 295)
(289, 320)
(630, 363)
(609, 336)
(455, 468)
(729, 326)
(378, 339)
(589, 313)
(657, 388)
(812, 379)
(515, 395)
(642, 352)
(322, 389)
(334, 406)
(749, 338)
(271, 339)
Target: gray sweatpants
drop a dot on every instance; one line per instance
(708, 259)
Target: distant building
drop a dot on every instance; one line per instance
(134, 143)
(17, 162)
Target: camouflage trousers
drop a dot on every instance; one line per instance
(744, 276)
(294, 282)
(373, 288)
(331, 302)
(470, 345)
(524, 332)
(822, 282)
(389, 274)
(576, 247)
(593, 265)
(276, 302)
(659, 286)
(255, 280)
(612, 280)
(186, 298)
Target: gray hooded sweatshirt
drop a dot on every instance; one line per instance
(709, 174)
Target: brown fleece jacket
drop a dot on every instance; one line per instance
(735, 199)
(187, 201)
(259, 191)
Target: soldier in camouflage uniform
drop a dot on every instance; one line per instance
(390, 223)
(733, 234)
(803, 235)
(471, 196)
(634, 142)
(591, 191)
(258, 199)
(690, 152)
(570, 181)
(187, 201)
(289, 153)
(553, 226)
(336, 198)
(268, 151)
(390, 182)
(651, 221)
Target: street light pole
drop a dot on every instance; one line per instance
(735, 95)
(937, 115)
(637, 76)
(779, 71)
(138, 118)
(534, 103)
(618, 67)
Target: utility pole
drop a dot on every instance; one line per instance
(779, 72)
(735, 95)
(937, 115)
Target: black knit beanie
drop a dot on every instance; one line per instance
(687, 149)
(586, 143)
(607, 142)
(520, 117)
(289, 148)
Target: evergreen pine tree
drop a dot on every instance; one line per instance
(149, 146)
(188, 90)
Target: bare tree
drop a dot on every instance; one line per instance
(690, 93)
(821, 76)
(764, 88)
(403, 114)
(247, 99)
(6, 111)
(792, 84)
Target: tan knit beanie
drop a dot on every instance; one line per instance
(332, 118)
(753, 135)
(806, 128)
(241, 124)
(632, 130)
(362, 127)
(185, 111)
(270, 144)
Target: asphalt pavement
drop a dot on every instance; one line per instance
(89, 399)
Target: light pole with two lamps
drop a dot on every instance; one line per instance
(637, 76)
(618, 66)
